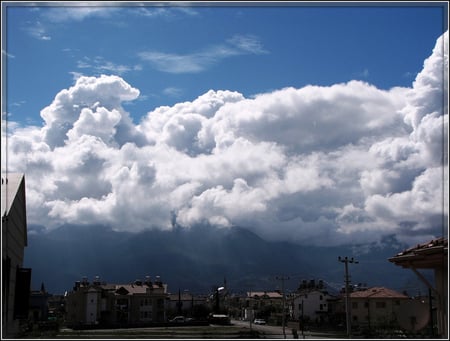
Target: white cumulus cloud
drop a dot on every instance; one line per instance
(338, 164)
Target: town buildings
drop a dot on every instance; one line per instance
(99, 303)
(148, 302)
(263, 304)
(39, 307)
(16, 280)
(187, 304)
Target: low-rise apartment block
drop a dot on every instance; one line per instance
(105, 304)
(376, 307)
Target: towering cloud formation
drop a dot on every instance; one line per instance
(340, 164)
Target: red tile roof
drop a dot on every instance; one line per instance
(428, 255)
(264, 294)
(377, 292)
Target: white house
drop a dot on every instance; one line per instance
(311, 305)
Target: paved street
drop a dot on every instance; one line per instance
(237, 329)
(276, 332)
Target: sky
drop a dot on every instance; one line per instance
(304, 122)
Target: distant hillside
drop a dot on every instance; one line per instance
(197, 259)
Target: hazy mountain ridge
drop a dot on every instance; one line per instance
(196, 259)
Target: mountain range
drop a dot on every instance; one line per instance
(201, 258)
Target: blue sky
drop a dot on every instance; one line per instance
(175, 54)
(313, 124)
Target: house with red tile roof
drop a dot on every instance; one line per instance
(430, 255)
(376, 307)
(259, 304)
(132, 304)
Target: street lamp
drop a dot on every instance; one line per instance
(347, 260)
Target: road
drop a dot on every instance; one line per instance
(236, 330)
(276, 332)
(273, 332)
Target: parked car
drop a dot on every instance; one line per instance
(178, 319)
(259, 321)
(219, 319)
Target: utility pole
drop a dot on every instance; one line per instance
(282, 278)
(348, 314)
(179, 303)
(303, 326)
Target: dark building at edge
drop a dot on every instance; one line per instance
(16, 280)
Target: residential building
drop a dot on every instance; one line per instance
(432, 255)
(376, 307)
(181, 303)
(57, 306)
(16, 280)
(312, 306)
(38, 310)
(263, 304)
(312, 302)
(99, 303)
(186, 304)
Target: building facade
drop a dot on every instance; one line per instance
(16, 280)
(312, 306)
(186, 304)
(263, 304)
(376, 307)
(104, 304)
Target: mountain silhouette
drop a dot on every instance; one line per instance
(199, 258)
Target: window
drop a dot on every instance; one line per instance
(22, 293)
(122, 302)
(380, 305)
(300, 306)
(321, 307)
(320, 297)
(355, 305)
(366, 304)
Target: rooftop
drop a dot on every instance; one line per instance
(430, 255)
(10, 186)
(264, 294)
(377, 292)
